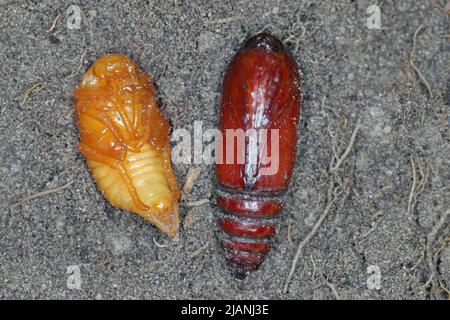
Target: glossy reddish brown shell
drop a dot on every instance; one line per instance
(261, 90)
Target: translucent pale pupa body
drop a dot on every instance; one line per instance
(125, 140)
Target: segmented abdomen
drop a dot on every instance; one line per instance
(147, 174)
(248, 224)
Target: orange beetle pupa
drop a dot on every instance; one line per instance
(125, 140)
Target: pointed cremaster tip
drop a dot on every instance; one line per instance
(264, 40)
(243, 262)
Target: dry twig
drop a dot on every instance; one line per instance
(191, 177)
(197, 203)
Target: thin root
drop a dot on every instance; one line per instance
(160, 245)
(301, 245)
(41, 194)
(55, 21)
(413, 189)
(224, 20)
(28, 92)
(289, 231)
(332, 288)
(331, 198)
(74, 73)
(348, 149)
(416, 69)
(446, 8)
(200, 250)
(365, 236)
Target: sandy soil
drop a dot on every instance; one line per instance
(390, 217)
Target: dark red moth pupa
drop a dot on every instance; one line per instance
(261, 91)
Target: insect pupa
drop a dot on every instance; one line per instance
(125, 140)
(261, 95)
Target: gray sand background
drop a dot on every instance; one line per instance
(350, 72)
